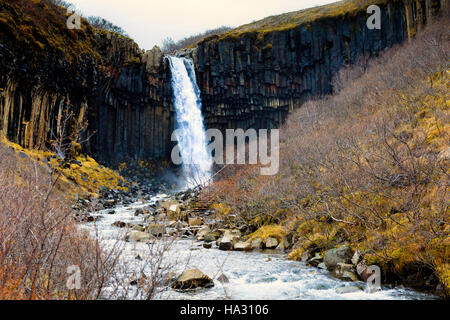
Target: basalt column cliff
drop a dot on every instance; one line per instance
(251, 76)
(248, 77)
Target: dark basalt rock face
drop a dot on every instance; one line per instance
(132, 112)
(125, 95)
(252, 80)
(104, 79)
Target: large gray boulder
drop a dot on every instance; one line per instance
(156, 229)
(228, 240)
(345, 271)
(257, 243)
(243, 246)
(137, 236)
(192, 279)
(337, 255)
(271, 243)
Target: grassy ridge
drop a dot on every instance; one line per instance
(295, 19)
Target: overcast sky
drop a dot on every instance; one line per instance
(148, 22)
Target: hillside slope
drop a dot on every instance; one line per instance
(367, 167)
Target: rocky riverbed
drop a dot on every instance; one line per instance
(199, 257)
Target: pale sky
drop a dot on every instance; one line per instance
(148, 22)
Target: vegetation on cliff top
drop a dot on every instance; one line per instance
(43, 25)
(367, 166)
(295, 19)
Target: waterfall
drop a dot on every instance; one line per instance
(191, 134)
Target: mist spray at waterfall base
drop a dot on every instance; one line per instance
(190, 133)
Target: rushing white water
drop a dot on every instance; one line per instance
(191, 135)
(252, 275)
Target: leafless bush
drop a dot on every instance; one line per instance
(170, 46)
(39, 239)
(361, 162)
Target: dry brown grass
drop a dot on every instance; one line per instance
(39, 239)
(367, 165)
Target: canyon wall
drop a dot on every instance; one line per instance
(252, 79)
(132, 114)
(123, 94)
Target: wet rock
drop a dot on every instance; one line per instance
(271, 243)
(197, 221)
(257, 243)
(193, 279)
(315, 261)
(243, 246)
(120, 224)
(139, 227)
(207, 245)
(112, 212)
(107, 204)
(203, 232)
(137, 236)
(156, 229)
(345, 271)
(211, 237)
(88, 218)
(226, 243)
(322, 266)
(337, 255)
(228, 240)
(356, 258)
(362, 271)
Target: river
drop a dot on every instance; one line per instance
(252, 275)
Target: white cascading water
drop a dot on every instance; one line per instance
(192, 140)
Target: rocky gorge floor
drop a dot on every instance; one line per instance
(207, 258)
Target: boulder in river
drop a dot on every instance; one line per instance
(139, 227)
(207, 245)
(203, 232)
(257, 243)
(211, 237)
(226, 243)
(345, 271)
(108, 204)
(243, 246)
(156, 229)
(315, 261)
(271, 243)
(228, 240)
(337, 255)
(137, 236)
(196, 221)
(193, 279)
(120, 224)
